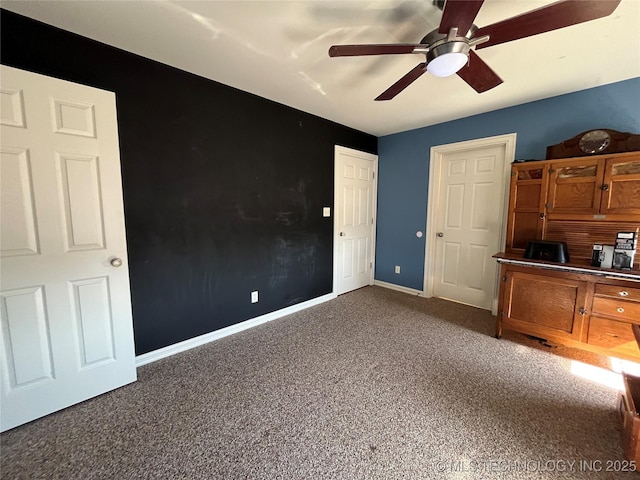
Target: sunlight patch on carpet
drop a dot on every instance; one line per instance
(597, 375)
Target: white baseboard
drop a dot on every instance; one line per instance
(399, 288)
(226, 331)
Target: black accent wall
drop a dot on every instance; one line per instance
(223, 190)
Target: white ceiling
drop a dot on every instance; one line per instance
(278, 50)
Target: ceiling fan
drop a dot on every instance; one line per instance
(450, 48)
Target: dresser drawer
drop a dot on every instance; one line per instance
(612, 335)
(622, 309)
(616, 291)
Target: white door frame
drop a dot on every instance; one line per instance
(369, 156)
(435, 172)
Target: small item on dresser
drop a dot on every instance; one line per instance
(602, 256)
(625, 250)
(547, 250)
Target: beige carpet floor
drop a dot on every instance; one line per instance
(375, 384)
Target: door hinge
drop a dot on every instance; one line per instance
(373, 175)
(372, 221)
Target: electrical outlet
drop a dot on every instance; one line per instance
(397, 268)
(254, 297)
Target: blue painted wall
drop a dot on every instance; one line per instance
(404, 161)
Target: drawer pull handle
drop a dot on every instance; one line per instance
(620, 310)
(624, 293)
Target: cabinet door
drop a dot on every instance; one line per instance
(575, 186)
(544, 306)
(621, 186)
(528, 192)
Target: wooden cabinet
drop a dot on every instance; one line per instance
(528, 192)
(585, 310)
(544, 304)
(580, 201)
(621, 187)
(575, 186)
(595, 185)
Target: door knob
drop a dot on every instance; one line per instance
(439, 234)
(342, 234)
(116, 262)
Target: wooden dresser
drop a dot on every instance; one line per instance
(580, 201)
(570, 304)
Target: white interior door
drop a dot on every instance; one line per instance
(355, 210)
(65, 303)
(467, 222)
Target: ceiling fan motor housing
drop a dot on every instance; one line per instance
(455, 48)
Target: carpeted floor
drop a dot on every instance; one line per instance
(376, 384)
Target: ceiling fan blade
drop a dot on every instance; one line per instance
(373, 49)
(404, 82)
(551, 17)
(460, 14)
(478, 74)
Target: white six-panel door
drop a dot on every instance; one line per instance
(65, 303)
(468, 213)
(355, 207)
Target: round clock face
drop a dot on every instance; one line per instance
(594, 141)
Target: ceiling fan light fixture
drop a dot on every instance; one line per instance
(446, 59)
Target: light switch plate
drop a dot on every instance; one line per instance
(326, 211)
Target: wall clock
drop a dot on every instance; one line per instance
(594, 141)
(601, 141)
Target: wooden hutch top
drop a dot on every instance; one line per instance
(581, 201)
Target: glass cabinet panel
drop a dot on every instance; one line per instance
(626, 168)
(533, 174)
(578, 171)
